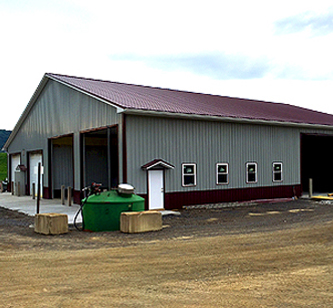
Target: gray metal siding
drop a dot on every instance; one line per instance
(207, 143)
(62, 166)
(60, 110)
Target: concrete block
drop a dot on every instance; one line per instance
(51, 223)
(137, 222)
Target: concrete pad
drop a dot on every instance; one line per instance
(28, 206)
(137, 222)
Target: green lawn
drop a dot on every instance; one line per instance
(3, 166)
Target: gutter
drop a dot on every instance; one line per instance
(224, 119)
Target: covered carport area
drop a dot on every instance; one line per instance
(99, 157)
(61, 166)
(316, 162)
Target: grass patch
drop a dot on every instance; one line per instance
(3, 166)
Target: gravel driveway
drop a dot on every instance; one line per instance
(194, 222)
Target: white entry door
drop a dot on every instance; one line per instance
(16, 160)
(34, 160)
(155, 189)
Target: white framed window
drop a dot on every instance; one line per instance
(277, 172)
(251, 172)
(222, 173)
(189, 174)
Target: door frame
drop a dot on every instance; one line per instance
(11, 171)
(156, 164)
(30, 169)
(162, 189)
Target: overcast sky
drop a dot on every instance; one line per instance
(278, 51)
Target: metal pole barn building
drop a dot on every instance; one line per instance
(176, 148)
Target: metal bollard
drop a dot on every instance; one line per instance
(63, 194)
(310, 188)
(33, 191)
(69, 196)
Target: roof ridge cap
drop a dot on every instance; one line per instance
(151, 87)
(231, 98)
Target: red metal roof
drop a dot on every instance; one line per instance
(138, 97)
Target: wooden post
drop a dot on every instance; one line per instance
(13, 185)
(38, 187)
(33, 191)
(18, 189)
(310, 188)
(69, 196)
(1, 187)
(63, 194)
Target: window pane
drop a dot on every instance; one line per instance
(188, 169)
(222, 178)
(251, 168)
(251, 177)
(277, 176)
(277, 167)
(188, 179)
(222, 168)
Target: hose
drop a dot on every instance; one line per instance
(93, 189)
(77, 214)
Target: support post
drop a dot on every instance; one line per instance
(13, 186)
(63, 194)
(69, 196)
(1, 187)
(38, 187)
(18, 189)
(310, 188)
(33, 191)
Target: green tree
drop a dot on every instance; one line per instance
(4, 134)
(3, 166)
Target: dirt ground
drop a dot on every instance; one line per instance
(258, 255)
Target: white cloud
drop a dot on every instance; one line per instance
(230, 48)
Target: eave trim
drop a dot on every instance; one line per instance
(157, 163)
(117, 107)
(224, 119)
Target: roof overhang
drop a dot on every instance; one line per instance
(118, 108)
(157, 164)
(224, 119)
